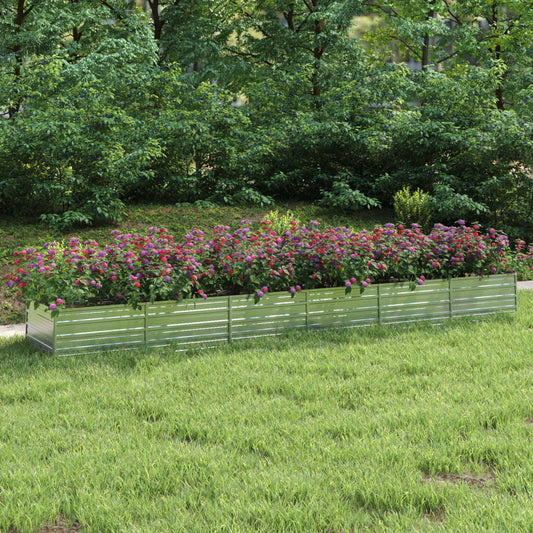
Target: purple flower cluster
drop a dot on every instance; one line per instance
(136, 268)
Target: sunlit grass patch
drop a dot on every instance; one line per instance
(420, 428)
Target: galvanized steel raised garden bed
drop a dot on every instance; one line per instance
(226, 318)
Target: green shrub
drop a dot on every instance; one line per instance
(449, 206)
(343, 197)
(413, 207)
(281, 223)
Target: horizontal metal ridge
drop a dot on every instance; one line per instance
(224, 318)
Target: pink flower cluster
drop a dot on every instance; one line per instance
(137, 268)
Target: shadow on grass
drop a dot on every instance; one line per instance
(19, 356)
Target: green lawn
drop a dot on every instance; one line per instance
(374, 429)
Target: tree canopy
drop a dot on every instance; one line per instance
(343, 102)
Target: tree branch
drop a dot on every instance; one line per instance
(386, 10)
(302, 24)
(112, 9)
(309, 6)
(449, 56)
(158, 22)
(452, 14)
(248, 55)
(409, 47)
(289, 17)
(28, 11)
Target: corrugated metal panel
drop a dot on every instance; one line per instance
(401, 303)
(475, 281)
(260, 327)
(98, 312)
(478, 296)
(341, 308)
(319, 295)
(269, 299)
(343, 320)
(99, 328)
(40, 327)
(271, 315)
(403, 287)
(224, 318)
(196, 331)
(102, 342)
(187, 322)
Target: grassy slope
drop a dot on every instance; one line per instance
(419, 429)
(16, 234)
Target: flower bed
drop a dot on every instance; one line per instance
(141, 270)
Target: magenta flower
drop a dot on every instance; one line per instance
(246, 259)
(52, 306)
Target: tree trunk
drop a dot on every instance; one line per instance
(289, 17)
(317, 53)
(19, 21)
(497, 53)
(425, 46)
(500, 102)
(156, 17)
(425, 52)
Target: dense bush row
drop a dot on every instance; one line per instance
(100, 110)
(80, 160)
(137, 268)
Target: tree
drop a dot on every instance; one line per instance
(495, 34)
(73, 133)
(295, 44)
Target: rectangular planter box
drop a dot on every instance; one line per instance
(225, 318)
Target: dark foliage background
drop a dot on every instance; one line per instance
(342, 103)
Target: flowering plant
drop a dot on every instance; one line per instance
(138, 268)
